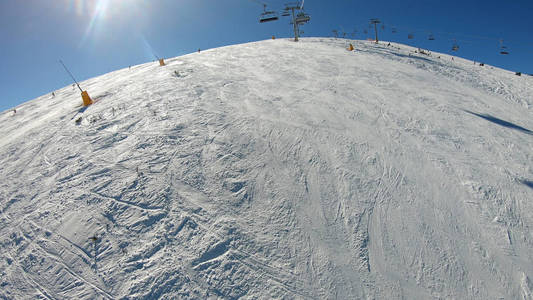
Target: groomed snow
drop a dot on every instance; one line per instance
(273, 169)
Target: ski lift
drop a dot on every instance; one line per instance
(431, 37)
(503, 48)
(302, 17)
(268, 16)
(410, 36)
(455, 47)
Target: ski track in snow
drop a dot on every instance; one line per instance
(273, 169)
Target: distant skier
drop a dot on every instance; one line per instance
(53, 94)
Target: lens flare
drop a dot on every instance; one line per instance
(101, 20)
(105, 14)
(148, 50)
(98, 14)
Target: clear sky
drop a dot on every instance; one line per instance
(94, 37)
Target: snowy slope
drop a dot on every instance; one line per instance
(274, 170)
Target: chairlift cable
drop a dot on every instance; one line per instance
(467, 37)
(522, 47)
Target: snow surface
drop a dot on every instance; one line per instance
(273, 169)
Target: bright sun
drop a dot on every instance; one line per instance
(104, 14)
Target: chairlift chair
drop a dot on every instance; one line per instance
(431, 37)
(503, 48)
(410, 36)
(268, 16)
(455, 47)
(302, 17)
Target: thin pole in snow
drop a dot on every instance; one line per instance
(375, 22)
(71, 75)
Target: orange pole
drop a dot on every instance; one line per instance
(86, 98)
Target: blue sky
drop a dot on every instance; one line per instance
(94, 37)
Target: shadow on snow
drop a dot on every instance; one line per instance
(501, 122)
(527, 183)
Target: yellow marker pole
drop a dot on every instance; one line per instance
(161, 62)
(84, 95)
(350, 48)
(86, 98)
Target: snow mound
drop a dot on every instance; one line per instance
(274, 169)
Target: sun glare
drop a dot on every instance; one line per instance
(103, 15)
